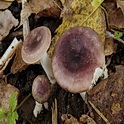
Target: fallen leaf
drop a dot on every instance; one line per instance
(108, 97)
(4, 5)
(120, 4)
(7, 22)
(110, 47)
(18, 63)
(80, 16)
(25, 13)
(69, 119)
(115, 15)
(45, 7)
(85, 119)
(115, 108)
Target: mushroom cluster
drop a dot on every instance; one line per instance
(78, 59)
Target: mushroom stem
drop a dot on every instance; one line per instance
(37, 109)
(46, 64)
(8, 54)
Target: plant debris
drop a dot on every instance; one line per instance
(108, 97)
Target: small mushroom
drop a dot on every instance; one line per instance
(40, 91)
(35, 48)
(78, 59)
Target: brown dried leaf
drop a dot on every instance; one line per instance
(46, 7)
(18, 64)
(85, 119)
(25, 13)
(115, 15)
(69, 119)
(108, 97)
(77, 15)
(4, 5)
(110, 46)
(120, 4)
(7, 22)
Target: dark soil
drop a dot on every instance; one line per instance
(66, 102)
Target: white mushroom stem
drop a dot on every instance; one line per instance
(8, 54)
(39, 107)
(98, 73)
(46, 64)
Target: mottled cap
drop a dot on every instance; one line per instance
(78, 52)
(41, 88)
(36, 44)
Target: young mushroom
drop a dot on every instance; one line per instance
(35, 48)
(78, 59)
(40, 91)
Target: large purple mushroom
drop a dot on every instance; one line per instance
(78, 59)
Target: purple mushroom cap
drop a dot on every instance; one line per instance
(36, 44)
(78, 52)
(41, 88)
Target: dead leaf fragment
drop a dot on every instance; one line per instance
(85, 119)
(115, 108)
(110, 46)
(25, 13)
(18, 63)
(7, 22)
(108, 97)
(69, 119)
(4, 5)
(81, 11)
(115, 15)
(120, 4)
(45, 7)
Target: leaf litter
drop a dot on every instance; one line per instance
(76, 13)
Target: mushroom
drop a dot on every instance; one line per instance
(40, 91)
(35, 48)
(78, 59)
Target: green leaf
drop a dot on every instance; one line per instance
(15, 115)
(13, 101)
(2, 112)
(118, 34)
(12, 117)
(96, 3)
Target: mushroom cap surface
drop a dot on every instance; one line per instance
(78, 52)
(41, 88)
(36, 44)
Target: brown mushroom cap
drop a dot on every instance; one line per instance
(77, 54)
(41, 88)
(36, 44)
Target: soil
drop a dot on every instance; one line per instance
(66, 102)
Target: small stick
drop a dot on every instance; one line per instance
(26, 28)
(99, 113)
(8, 54)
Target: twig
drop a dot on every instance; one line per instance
(57, 4)
(99, 113)
(26, 28)
(110, 35)
(54, 112)
(8, 54)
